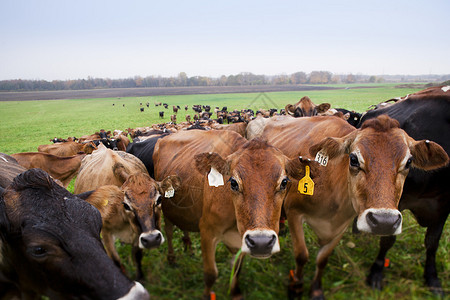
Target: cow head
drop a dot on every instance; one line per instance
(306, 108)
(379, 156)
(50, 244)
(142, 202)
(89, 147)
(256, 180)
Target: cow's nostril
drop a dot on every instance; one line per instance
(249, 241)
(372, 220)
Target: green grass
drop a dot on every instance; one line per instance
(25, 125)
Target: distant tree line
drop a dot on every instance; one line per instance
(182, 80)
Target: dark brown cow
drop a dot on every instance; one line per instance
(306, 108)
(63, 168)
(68, 148)
(364, 177)
(243, 211)
(139, 204)
(50, 245)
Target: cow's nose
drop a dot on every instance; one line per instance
(383, 223)
(151, 240)
(260, 244)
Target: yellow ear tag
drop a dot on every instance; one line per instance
(306, 185)
(105, 201)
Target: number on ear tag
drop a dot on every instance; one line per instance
(169, 193)
(322, 158)
(105, 201)
(215, 178)
(306, 185)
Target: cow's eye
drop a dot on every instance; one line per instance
(408, 163)
(126, 206)
(354, 162)
(284, 183)
(234, 185)
(37, 251)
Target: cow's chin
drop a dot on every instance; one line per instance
(260, 243)
(380, 221)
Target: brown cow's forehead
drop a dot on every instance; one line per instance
(258, 165)
(391, 145)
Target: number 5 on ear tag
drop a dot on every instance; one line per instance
(306, 185)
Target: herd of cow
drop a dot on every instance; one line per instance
(233, 184)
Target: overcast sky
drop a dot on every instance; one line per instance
(58, 39)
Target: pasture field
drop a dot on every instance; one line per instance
(27, 124)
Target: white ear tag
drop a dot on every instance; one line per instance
(322, 158)
(215, 178)
(169, 193)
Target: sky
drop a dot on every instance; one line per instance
(63, 40)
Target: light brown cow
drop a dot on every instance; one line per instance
(140, 202)
(363, 178)
(237, 127)
(244, 211)
(306, 108)
(63, 168)
(68, 148)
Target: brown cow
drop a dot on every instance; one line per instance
(306, 108)
(363, 178)
(9, 169)
(237, 127)
(63, 168)
(243, 211)
(139, 203)
(68, 148)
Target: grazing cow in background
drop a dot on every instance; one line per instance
(9, 169)
(188, 118)
(175, 109)
(423, 115)
(173, 118)
(107, 167)
(186, 107)
(243, 210)
(68, 148)
(147, 104)
(165, 105)
(141, 109)
(158, 104)
(161, 114)
(50, 245)
(306, 108)
(63, 168)
(363, 178)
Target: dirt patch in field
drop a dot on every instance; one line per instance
(143, 92)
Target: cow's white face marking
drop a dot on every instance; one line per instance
(136, 292)
(4, 158)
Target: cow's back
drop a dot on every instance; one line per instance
(97, 169)
(174, 155)
(294, 136)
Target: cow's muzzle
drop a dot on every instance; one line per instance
(380, 221)
(260, 243)
(137, 292)
(151, 239)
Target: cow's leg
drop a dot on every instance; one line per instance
(325, 251)
(168, 228)
(432, 238)
(137, 258)
(187, 242)
(210, 272)
(295, 288)
(108, 241)
(375, 277)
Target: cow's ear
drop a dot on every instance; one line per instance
(428, 155)
(333, 147)
(323, 107)
(169, 183)
(295, 167)
(205, 161)
(120, 172)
